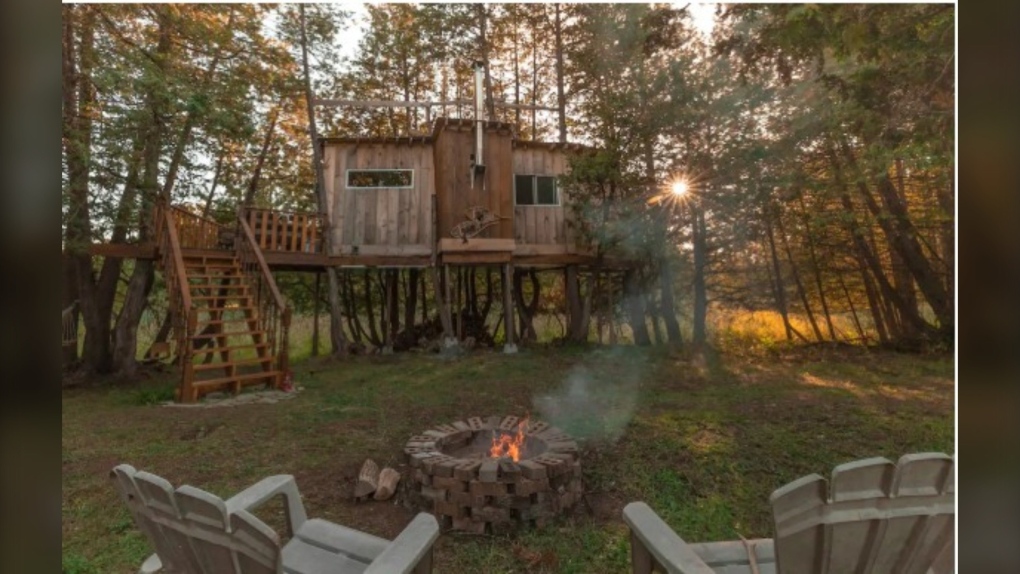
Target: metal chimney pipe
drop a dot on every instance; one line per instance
(479, 110)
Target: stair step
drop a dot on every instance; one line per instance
(225, 364)
(215, 256)
(231, 308)
(216, 276)
(207, 267)
(204, 322)
(203, 383)
(227, 287)
(230, 334)
(218, 297)
(227, 349)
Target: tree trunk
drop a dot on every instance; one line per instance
(668, 304)
(561, 98)
(77, 140)
(868, 257)
(700, 293)
(576, 329)
(634, 303)
(526, 311)
(483, 50)
(315, 315)
(515, 12)
(816, 269)
(256, 174)
(392, 306)
(801, 292)
(336, 328)
(190, 120)
(778, 289)
(853, 309)
(125, 342)
(902, 236)
(441, 280)
(70, 293)
(411, 300)
(373, 333)
(207, 209)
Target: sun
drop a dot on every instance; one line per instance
(679, 188)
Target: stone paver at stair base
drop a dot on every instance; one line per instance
(215, 400)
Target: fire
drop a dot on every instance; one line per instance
(509, 445)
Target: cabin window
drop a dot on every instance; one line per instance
(379, 178)
(535, 190)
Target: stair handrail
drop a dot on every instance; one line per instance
(274, 313)
(263, 267)
(171, 260)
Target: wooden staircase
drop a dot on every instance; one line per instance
(230, 321)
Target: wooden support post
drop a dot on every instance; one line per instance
(458, 305)
(508, 309)
(315, 317)
(389, 309)
(441, 279)
(187, 392)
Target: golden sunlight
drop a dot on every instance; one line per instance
(679, 188)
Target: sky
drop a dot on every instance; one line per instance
(703, 14)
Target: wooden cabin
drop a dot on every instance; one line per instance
(409, 200)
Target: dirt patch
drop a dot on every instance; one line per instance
(605, 506)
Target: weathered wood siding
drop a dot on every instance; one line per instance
(542, 224)
(381, 221)
(454, 145)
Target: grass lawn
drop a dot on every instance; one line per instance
(703, 443)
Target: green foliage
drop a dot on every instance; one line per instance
(75, 563)
(152, 395)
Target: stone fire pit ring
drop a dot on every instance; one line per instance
(453, 477)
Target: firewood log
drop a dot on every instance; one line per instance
(388, 480)
(368, 479)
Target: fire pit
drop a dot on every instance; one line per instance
(494, 474)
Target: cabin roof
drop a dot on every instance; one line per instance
(404, 140)
(456, 124)
(553, 146)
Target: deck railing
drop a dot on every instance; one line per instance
(273, 313)
(183, 316)
(195, 231)
(294, 231)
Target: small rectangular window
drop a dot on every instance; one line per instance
(524, 189)
(379, 178)
(535, 190)
(546, 190)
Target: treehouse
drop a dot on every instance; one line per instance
(417, 201)
(467, 196)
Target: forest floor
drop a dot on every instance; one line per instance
(703, 442)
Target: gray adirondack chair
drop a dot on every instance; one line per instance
(195, 532)
(872, 517)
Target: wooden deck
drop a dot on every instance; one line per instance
(520, 256)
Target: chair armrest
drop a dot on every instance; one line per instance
(259, 493)
(411, 547)
(659, 541)
(152, 565)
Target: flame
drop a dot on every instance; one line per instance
(509, 445)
